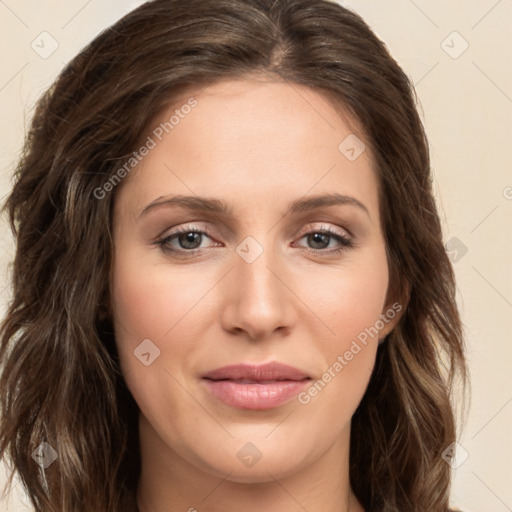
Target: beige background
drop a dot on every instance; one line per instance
(466, 99)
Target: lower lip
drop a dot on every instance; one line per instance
(255, 396)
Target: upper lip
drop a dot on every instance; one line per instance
(263, 372)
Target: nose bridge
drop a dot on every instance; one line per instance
(258, 301)
(253, 267)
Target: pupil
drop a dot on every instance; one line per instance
(190, 238)
(320, 238)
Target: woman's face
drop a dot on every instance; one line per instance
(276, 275)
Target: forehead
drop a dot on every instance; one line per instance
(254, 137)
(265, 107)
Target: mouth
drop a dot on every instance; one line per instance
(255, 387)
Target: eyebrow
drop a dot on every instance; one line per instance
(216, 206)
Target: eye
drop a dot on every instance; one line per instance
(183, 241)
(321, 238)
(187, 240)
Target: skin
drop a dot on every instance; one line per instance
(258, 146)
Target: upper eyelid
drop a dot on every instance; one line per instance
(187, 228)
(325, 227)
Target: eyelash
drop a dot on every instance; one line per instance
(346, 242)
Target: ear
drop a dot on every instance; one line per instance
(393, 311)
(103, 312)
(104, 309)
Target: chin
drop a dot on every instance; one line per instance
(268, 468)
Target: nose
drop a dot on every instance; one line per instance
(258, 299)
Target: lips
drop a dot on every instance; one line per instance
(264, 373)
(255, 386)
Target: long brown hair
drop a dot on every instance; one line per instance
(61, 381)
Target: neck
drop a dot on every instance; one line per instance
(168, 480)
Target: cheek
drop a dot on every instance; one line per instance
(349, 300)
(150, 300)
(350, 306)
(162, 304)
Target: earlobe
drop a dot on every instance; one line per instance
(392, 313)
(390, 318)
(388, 321)
(103, 312)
